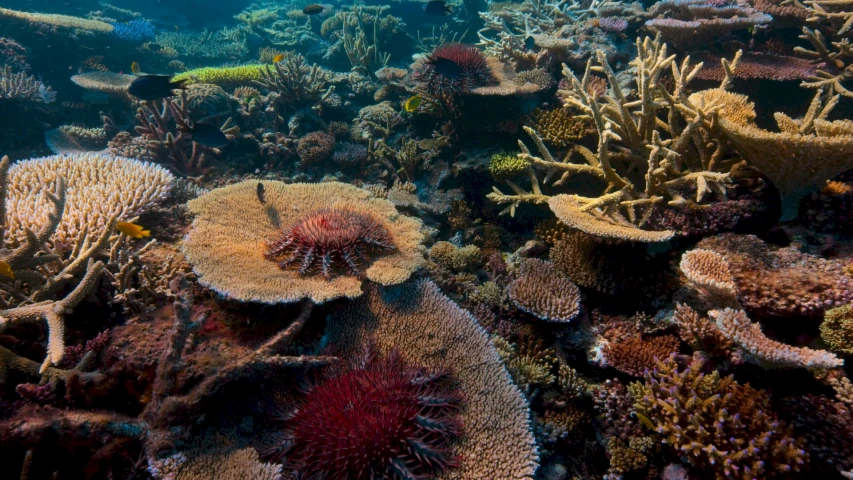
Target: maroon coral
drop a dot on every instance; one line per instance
(380, 418)
(634, 355)
(784, 281)
(329, 238)
(758, 66)
(315, 147)
(453, 68)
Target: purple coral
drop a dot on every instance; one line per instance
(613, 24)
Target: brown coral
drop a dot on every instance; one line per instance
(544, 292)
(837, 329)
(635, 355)
(315, 147)
(430, 330)
(560, 127)
(226, 248)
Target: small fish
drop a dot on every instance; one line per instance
(132, 230)
(176, 28)
(413, 103)
(645, 421)
(261, 193)
(445, 67)
(134, 68)
(154, 87)
(438, 8)
(208, 135)
(6, 270)
(278, 58)
(313, 9)
(529, 43)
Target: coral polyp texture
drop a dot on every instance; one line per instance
(544, 292)
(329, 238)
(100, 187)
(453, 68)
(228, 240)
(379, 418)
(429, 330)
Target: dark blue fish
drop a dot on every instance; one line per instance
(529, 44)
(437, 8)
(154, 87)
(208, 135)
(445, 67)
(261, 193)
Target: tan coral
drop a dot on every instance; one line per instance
(544, 292)
(100, 187)
(709, 270)
(243, 464)
(634, 355)
(736, 326)
(560, 127)
(114, 84)
(429, 329)
(64, 21)
(226, 244)
(573, 213)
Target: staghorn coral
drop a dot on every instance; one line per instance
(635, 355)
(699, 332)
(315, 147)
(628, 135)
(544, 292)
(100, 187)
(428, 329)
(226, 249)
(61, 21)
(837, 329)
(297, 83)
(781, 282)
(559, 127)
(736, 326)
(20, 86)
(717, 424)
(378, 418)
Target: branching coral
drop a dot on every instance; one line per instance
(629, 136)
(529, 363)
(635, 355)
(837, 329)
(544, 292)
(363, 51)
(428, 329)
(718, 424)
(20, 86)
(226, 249)
(297, 84)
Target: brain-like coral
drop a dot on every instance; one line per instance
(99, 187)
(380, 418)
(329, 238)
(453, 68)
(544, 292)
(228, 241)
(428, 329)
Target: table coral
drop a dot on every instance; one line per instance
(62, 21)
(717, 424)
(429, 329)
(227, 249)
(544, 292)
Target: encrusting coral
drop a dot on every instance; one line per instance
(717, 424)
(226, 244)
(428, 329)
(544, 292)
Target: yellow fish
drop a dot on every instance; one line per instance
(646, 421)
(413, 103)
(6, 270)
(132, 230)
(134, 67)
(278, 58)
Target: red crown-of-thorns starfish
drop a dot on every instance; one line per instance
(329, 237)
(377, 419)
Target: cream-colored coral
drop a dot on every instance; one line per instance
(736, 326)
(576, 215)
(114, 84)
(429, 329)
(243, 464)
(63, 21)
(708, 269)
(793, 160)
(226, 244)
(544, 292)
(100, 187)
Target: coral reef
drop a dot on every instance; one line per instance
(226, 249)
(837, 329)
(542, 291)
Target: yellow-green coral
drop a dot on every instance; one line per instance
(454, 258)
(528, 363)
(223, 76)
(506, 165)
(837, 329)
(560, 127)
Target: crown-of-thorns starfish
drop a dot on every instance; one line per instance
(329, 237)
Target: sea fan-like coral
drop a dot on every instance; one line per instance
(329, 237)
(226, 244)
(380, 418)
(453, 68)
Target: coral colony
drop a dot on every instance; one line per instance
(411, 240)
